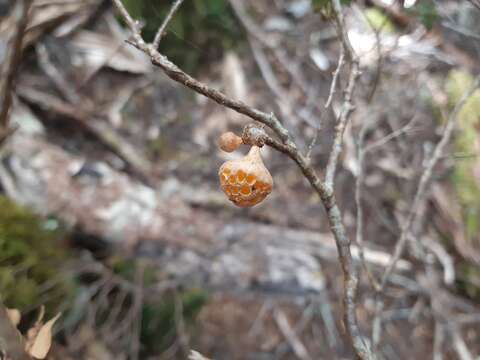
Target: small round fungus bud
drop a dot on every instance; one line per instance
(246, 181)
(229, 141)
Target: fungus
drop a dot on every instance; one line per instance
(229, 141)
(246, 181)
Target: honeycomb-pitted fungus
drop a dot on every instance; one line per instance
(246, 181)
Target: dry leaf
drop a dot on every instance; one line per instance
(33, 331)
(96, 50)
(43, 341)
(14, 316)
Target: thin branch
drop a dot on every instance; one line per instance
(137, 308)
(344, 117)
(11, 66)
(60, 81)
(459, 344)
(347, 106)
(161, 29)
(132, 24)
(425, 180)
(270, 43)
(340, 22)
(287, 146)
(361, 152)
(285, 105)
(180, 327)
(343, 242)
(393, 135)
(417, 201)
(333, 85)
(438, 340)
(298, 348)
(475, 3)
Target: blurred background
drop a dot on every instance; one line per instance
(111, 211)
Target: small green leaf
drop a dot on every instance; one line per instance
(379, 21)
(426, 13)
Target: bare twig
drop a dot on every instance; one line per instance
(283, 100)
(11, 66)
(269, 42)
(438, 340)
(341, 31)
(442, 306)
(333, 85)
(292, 338)
(61, 83)
(182, 336)
(425, 180)
(297, 330)
(287, 146)
(361, 151)
(444, 258)
(161, 29)
(378, 40)
(138, 306)
(459, 344)
(86, 119)
(417, 201)
(475, 3)
(347, 106)
(393, 135)
(343, 118)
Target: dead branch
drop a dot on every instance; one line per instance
(475, 3)
(88, 121)
(269, 42)
(425, 180)
(361, 152)
(137, 305)
(11, 67)
(161, 29)
(420, 195)
(292, 338)
(333, 85)
(287, 146)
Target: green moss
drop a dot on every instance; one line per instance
(466, 185)
(466, 140)
(127, 268)
(456, 84)
(31, 255)
(468, 280)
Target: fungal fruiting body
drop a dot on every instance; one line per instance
(229, 141)
(246, 181)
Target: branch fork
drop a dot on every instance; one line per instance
(256, 135)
